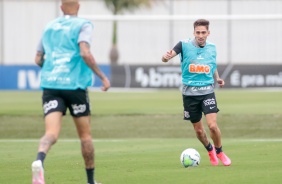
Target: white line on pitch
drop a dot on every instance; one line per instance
(257, 140)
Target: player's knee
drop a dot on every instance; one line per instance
(199, 132)
(86, 138)
(213, 128)
(87, 146)
(49, 138)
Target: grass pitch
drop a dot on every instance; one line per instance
(140, 136)
(138, 161)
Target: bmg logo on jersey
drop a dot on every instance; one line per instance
(78, 108)
(193, 68)
(50, 105)
(210, 101)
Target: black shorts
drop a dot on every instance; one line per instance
(194, 106)
(77, 101)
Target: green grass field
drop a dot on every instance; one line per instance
(139, 137)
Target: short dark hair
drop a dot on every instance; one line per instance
(202, 22)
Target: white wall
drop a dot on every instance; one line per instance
(144, 42)
(23, 25)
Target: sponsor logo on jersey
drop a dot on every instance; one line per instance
(58, 26)
(201, 88)
(196, 68)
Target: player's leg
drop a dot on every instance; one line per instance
(52, 130)
(210, 110)
(202, 136)
(53, 122)
(200, 132)
(215, 133)
(216, 137)
(84, 132)
(193, 112)
(79, 106)
(54, 108)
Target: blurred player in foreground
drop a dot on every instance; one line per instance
(67, 68)
(198, 64)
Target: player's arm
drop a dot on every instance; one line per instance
(84, 41)
(91, 62)
(218, 79)
(39, 58)
(172, 53)
(168, 55)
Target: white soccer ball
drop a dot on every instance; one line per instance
(190, 158)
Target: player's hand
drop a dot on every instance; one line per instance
(106, 84)
(167, 56)
(220, 82)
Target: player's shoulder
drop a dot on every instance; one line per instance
(51, 23)
(86, 23)
(210, 43)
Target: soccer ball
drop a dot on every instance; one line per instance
(190, 158)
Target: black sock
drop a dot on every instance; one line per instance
(209, 147)
(218, 150)
(41, 156)
(90, 175)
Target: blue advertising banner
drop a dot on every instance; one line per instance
(27, 77)
(149, 76)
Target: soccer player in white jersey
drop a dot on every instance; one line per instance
(199, 69)
(67, 68)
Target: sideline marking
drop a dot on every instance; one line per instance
(263, 140)
(256, 140)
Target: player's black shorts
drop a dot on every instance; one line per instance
(77, 101)
(194, 106)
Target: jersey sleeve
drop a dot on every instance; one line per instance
(178, 47)
(85, 34)
(40, 47)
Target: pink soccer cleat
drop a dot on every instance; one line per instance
(224, 159)
(213, 158)
(37, 172)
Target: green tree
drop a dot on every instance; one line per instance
(118, 7)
